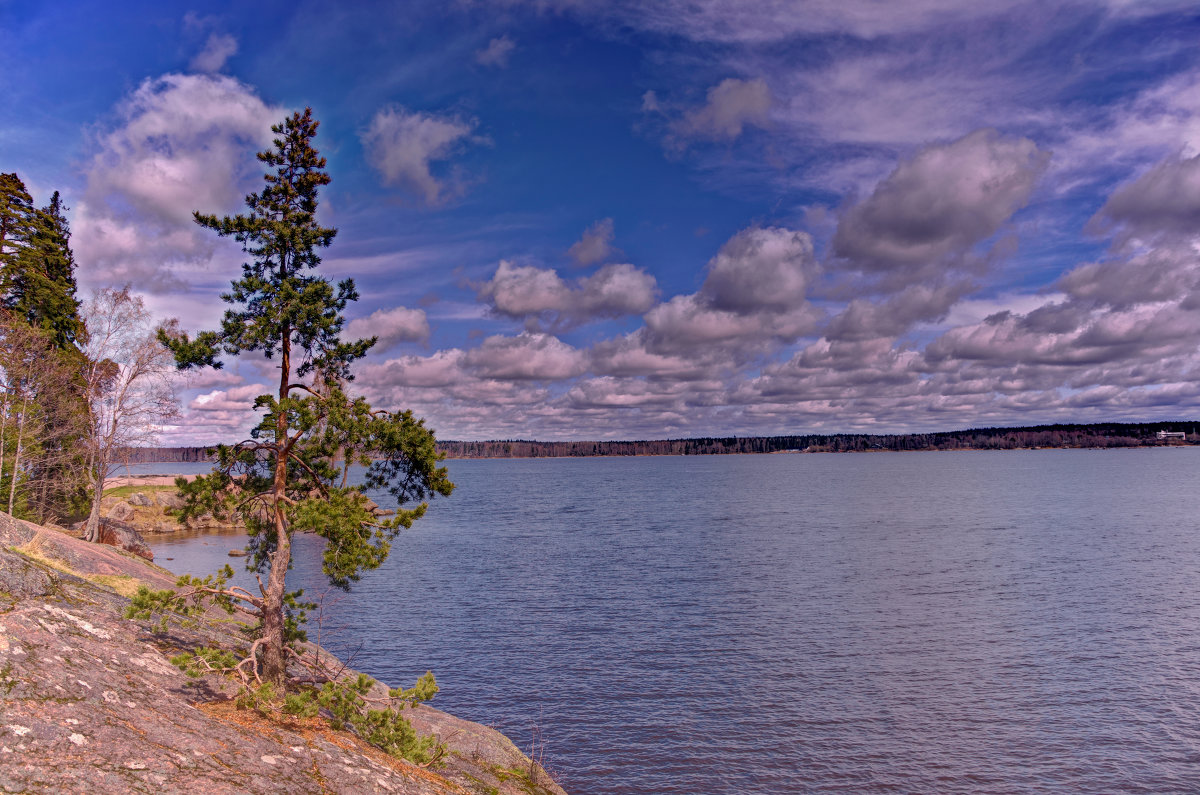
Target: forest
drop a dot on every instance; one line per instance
(1096, 435)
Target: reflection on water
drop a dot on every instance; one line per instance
(910, 622)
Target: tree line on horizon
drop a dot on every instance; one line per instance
(1094, 435)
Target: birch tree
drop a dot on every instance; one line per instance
(129, 386)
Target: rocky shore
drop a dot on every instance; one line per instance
(89, 701)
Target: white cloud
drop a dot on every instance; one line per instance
(936, 206)
(219, 48)
(533, 357)
(595, 245)
(182, 143)
(496, 53)
(731, 105)
(402, 145)
(523, 291)
(391, 326)
(761, 268)
(236, 399)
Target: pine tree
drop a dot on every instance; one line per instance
(293, 474)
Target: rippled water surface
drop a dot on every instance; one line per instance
(1024, 621)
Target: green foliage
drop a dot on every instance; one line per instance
(259, 698)
(205, 660)
(385, 727)
(184, 607)
(43, 400)
(39, 282)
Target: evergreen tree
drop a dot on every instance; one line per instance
(39, 282)
(292, 475)
(37, 302)
(16, 206)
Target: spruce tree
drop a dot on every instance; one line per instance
(16, 206)
(37, 301)
(292, 475)
(38, 283)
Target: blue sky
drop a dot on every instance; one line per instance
(573, 219)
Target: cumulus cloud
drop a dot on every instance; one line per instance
(754, 293)
(1164, 199)
(391, 326)
(731, 105)
(219, 48)
(403, 145)
(541, 295)
(938, 205)
(595, 245)
(182, 143)
(761, 268)
(526, 357)
(864, 319)
(496, 53)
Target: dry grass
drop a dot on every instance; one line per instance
(121, 583)
(35, 549)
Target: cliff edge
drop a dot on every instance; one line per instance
(89, 701)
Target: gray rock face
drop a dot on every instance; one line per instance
(120, 511)
(168, 499)
(140, 499)
(89, 702)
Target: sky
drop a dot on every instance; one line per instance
(586, 219)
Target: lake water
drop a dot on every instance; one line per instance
(975, 622)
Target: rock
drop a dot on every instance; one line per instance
(203, 520)
(91, 703)
(121, 511)
(237, 553)
(168, 499)
(140, 499)
(19, 578)
(126, 537)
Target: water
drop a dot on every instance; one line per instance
(1023, 621)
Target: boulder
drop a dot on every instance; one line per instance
(168, 499)
(140, 499)
(120, 512)
(126, 537)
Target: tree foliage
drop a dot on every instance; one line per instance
(292, 475)
(43, 399)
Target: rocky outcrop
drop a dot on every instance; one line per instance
(118, 534)
(90, 702)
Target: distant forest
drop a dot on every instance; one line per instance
(1108, 434)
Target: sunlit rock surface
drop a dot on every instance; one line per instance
(89, 701)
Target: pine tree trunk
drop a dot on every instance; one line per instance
(274, 661)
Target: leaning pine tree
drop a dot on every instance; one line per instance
(293, 474)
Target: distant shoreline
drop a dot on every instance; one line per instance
(1062, 436)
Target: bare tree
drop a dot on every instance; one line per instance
(130, 392)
